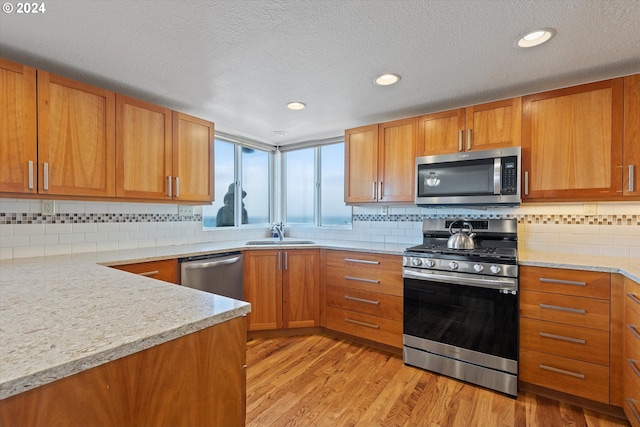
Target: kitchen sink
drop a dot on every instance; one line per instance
(266, 242)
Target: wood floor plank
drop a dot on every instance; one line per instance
(322, 381)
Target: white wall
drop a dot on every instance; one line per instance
(100, 226)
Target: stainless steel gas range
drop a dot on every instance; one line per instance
(461, 305)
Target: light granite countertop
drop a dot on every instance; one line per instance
(60, 315)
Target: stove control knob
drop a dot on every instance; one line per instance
(416, 261)
(453, 265)
(429, 263)
(495, 269)
(478, 268)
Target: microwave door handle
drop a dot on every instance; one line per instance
(497, 175)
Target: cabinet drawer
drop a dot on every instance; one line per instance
(365, 279)
(632, 340)
(571, 376)
(632, 299)
(365, 326)
(632, 411)
(592, 284)
(588, 345)
(586, 312)
(166, 270)
(375, 304)
(632, 378)
(365, 261)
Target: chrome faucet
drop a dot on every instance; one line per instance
(279, 229)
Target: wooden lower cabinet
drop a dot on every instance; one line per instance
(165, 270)
(631, 352)
(195, 380)
(364, 296)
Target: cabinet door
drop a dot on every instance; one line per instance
(631, 157)
(396, 162)
(494, 125)
(361, 164)
(165, 270)
(263, 289)
(572, 142)
(301, 286)
(192, 158)
(17, 128)
(143, 149)
(76, 138)
(441, 133)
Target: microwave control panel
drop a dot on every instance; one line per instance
(509, 175)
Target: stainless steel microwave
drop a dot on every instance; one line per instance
(476, 178)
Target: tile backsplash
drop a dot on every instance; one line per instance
(99, 226)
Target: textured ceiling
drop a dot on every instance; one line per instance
(238, 62)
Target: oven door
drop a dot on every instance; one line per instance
(478, 324)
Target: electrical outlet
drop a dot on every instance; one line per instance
(590, 209)
(48, 207)
(385, 210)
(185, 210)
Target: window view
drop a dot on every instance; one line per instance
(300, 183)
(333, 211)
(254, 200)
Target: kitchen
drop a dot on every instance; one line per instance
(556, 227)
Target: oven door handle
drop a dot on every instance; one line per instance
(507, 283)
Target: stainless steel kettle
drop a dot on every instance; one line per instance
(461, 240)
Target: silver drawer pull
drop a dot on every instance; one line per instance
(357, 322)
(361, 261)
(561, 338)
(367, 301)
(562, 371)
(633, 408)
(633, 297)
(562, 282)
(634, 368)
(149, 273)
(567, 309)
(634, 330)
(360, 279)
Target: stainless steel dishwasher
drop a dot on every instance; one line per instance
(216, 273)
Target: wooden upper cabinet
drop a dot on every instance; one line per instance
(143, 149)
(631, 155)
(572, 142)
(380, 162)
(396, 160)
(18, 155)
(361, 164)
(76, 138)
(479, 127)
(192, 158)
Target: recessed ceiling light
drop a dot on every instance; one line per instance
(278, 133)
(296, 105)
(535, 38)
(387, 79)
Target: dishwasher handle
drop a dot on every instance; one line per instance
(215, 262)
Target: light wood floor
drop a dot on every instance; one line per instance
(321, 381)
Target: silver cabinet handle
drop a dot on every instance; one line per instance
(169, 186)
(373, 190)
(469, 139)
(360, 279)
(561, 371)
(380, 190)
(632, 363)
(561, 338)
(30, 174)
(177, 186)
(633, 408)
(633, 297)
(366, 301)
(361, 261)
(279, 262)
(149, 273)
(631, 179)
(634, 330)
(286, 260)
(357, 322)
(460, 140)
(562, 282)
(567, 309)
(46, 175)
(526, 183)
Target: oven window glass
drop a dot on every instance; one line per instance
(473, 177)
(479, 319)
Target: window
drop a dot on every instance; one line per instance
(242, 186)
(314, 186)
